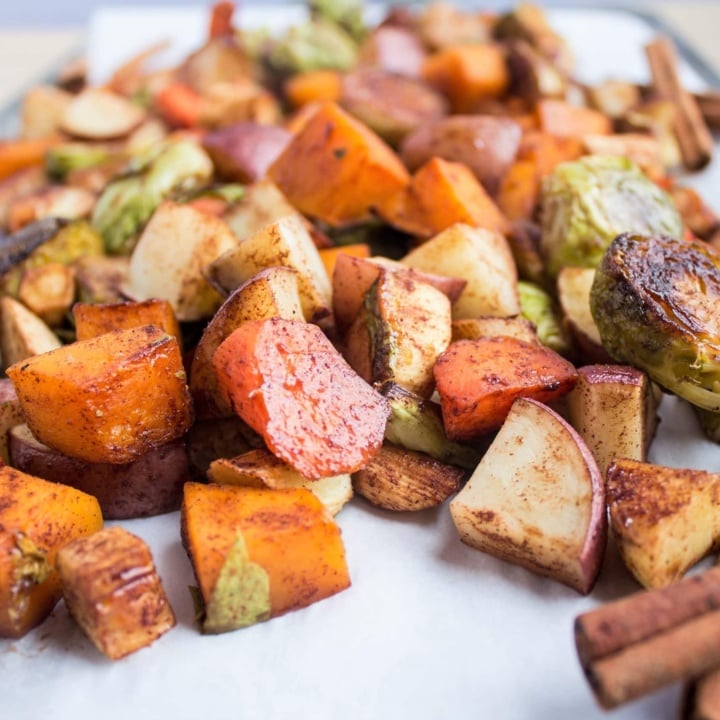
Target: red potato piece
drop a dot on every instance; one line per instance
(243, 152)
(478, 381)
(288, 382)
(150, 485)
(98, 114)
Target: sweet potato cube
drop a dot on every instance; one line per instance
(468, 74)
(95, 319)
(292, 550)
(478, 381)
(346, 168)
(113, 591)
(440, 194)
(36, 519)
(107, 399)
(565, 120)
(287, 381)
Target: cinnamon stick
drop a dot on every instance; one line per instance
(709, 104)
(702, 698)
(694, 138)
(638, 644)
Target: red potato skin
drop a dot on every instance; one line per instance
(285, 379)
(478, 381)
(151, 485)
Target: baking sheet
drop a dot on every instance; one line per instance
(429, 629)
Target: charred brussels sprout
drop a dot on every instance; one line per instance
(654, 301)
(587, 203)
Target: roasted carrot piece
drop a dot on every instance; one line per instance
(565, 120)
(442, 193)
(209, 205)
(519, 190)
(346, 168)
(329, 255)
(313, 86)
(478, 381)
(287, 381)
(20, 154)
(468, 74)
(548, 151)
(179, 104)
(289, 537)
(221, 19)
(93, 319)
(36, 519)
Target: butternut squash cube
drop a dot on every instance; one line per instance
(107, 399)
(93, 319)
(285, 548)
(36, 519)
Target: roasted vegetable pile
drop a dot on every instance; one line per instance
(412, 262)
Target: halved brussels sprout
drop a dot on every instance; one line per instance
(655, 302)
(587, 203)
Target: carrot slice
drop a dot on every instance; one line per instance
(20, 154)
(478, 381)
(288, 382)
(221, 19)
(179, 103)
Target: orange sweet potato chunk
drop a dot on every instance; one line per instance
(478, 381)
(285, 379)
(440, 194)
(93, 319)
(468, 74)
(336, 169)
(289, 533)
(571, 121)
(110, 398)
(37, 518)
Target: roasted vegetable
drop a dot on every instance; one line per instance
(315, 45)
(36, 519)
(62, 159)
(654, 302)
(538, 307)
(416, 424)
(272, 371)
(113, 591)
(259, 553)
(107, 399)
(348, 14)
(128, 201)
(586, 204)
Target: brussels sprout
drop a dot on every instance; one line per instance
(654, 300)
(68, 242)
(128, 201)
(348, 14)
(587, 203)
(60, 160)
(416, 424)
(316, 45)
(538, 307)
